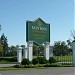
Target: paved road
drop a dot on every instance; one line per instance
(45, 71)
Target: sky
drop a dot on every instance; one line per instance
(15, 13)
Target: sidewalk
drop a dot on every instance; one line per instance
(6, 65)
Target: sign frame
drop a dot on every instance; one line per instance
(37, 31)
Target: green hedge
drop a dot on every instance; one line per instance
(12, 59)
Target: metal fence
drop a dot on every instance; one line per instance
(64, 59)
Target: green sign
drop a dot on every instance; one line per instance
(37, 31)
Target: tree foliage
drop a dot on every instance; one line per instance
(1, 47)
(12, 51)
(4, 43)
(60, 48)
(38, 50)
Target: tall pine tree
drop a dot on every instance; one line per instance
(4, 43)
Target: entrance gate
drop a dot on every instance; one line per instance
(37, 32)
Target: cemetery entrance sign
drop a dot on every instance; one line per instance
(37, 31)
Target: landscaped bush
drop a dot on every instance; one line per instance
(52, 60)
(25, 62)
(42, 60)
(35, 61)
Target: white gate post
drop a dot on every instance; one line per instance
(46, 51)
(30, 50)
(19, 54)
(24, 51)
(51, 51)
(73, 48)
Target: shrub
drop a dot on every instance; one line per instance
(52, 60)
(42, 60)
(25, 62)
(35, 61)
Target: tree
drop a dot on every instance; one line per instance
(1, 47)
(38, 50)
(60, 48)
(4, 43)
(12, 51)
(69, 43)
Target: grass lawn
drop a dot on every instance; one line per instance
(12, 68)
(63, 58)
